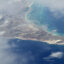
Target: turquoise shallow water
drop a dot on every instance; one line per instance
(43, 16)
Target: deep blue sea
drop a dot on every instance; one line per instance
(30, 52)
(41, 15)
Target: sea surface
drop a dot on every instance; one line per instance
(41, 15)
(17, 51)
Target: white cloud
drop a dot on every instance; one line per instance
(5, 58)
(58, 55)
(54, 5)
(2, 33)
(1, 17)
(7, 55)
(15, 24)
(12, 6)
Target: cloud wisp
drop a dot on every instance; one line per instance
(57, 55)
(14, 23)
(54, 5)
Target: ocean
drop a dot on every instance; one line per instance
(17, 51)
(41, 15)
